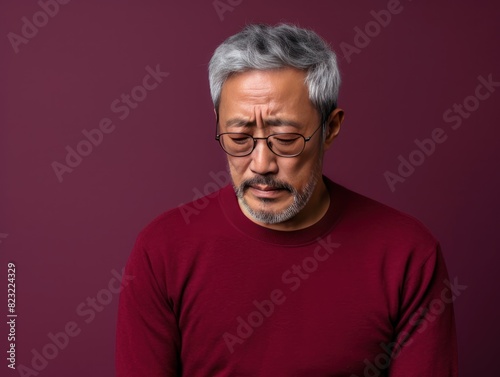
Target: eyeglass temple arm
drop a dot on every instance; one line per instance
(216, 124)
(316, 130)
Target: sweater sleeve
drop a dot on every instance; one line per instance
(425, 342)
(148, 338)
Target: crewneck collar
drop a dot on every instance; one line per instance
(234, 214)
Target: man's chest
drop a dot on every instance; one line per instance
(298, 316)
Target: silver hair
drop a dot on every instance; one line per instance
(266, 47)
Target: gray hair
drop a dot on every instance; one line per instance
(266, 47)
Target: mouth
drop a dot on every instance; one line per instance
(264, 191)
(265, 188)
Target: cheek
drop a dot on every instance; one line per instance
(297, 171)
(237, 167)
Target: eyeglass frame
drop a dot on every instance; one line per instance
(306, 139)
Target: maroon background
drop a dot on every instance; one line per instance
(66, 238)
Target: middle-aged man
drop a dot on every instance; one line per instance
(284, 272)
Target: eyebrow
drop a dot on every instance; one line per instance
(240, 122)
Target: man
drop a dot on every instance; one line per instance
(284, 272)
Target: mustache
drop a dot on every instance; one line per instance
(267, 181)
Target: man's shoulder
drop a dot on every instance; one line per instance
(373, 216)
(200, 214)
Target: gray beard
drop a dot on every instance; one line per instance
(300, 199)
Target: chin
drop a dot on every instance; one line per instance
(273, 205)
(265, 211)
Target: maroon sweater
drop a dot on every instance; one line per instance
(363, 292)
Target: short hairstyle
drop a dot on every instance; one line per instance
(264, 47)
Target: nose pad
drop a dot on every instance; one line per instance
(269, 145)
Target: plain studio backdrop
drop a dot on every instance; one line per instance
(106, 121)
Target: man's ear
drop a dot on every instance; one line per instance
(333, 126)
(215, 113)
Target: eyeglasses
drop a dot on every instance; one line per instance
(239, 144)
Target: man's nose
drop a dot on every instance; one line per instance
(264, 161)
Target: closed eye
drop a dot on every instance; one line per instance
(240, 140)
(286, 140)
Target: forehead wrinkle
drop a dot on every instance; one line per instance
(267, 98)
(267, 117)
